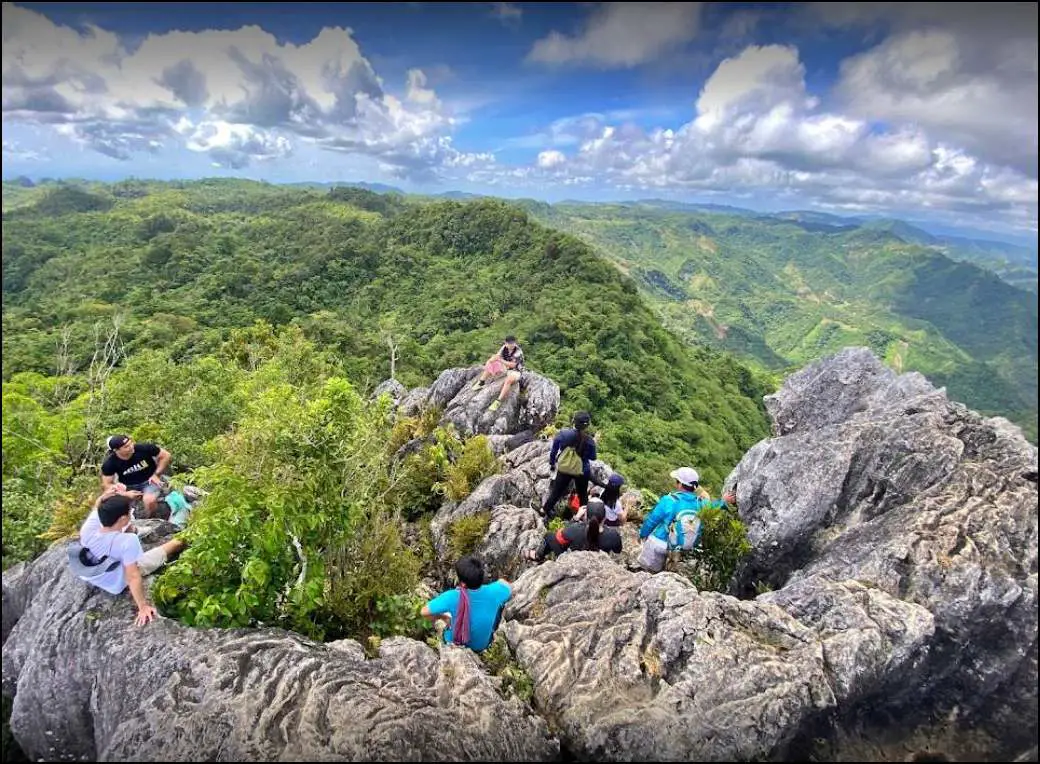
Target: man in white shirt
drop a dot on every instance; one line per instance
(113, 557)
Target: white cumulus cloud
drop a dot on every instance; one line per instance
(245, 95)
(622, 35)
(758, 130)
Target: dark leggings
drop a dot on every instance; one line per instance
(558, 489)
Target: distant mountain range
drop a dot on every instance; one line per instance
(783, 290)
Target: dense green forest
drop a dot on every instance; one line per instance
(197, 313)
(781, 293)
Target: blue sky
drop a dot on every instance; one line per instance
(917, 110)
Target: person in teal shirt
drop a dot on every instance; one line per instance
(654, 531)
(471, 611)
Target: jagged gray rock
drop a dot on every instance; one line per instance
(92, 686)
(529, 407)
(511, 530)
(639, 667)
(880, 478)
(391, 387)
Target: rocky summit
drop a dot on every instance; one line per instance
(887, 612)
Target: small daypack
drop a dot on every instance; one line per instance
(685, 529)
(570, 463)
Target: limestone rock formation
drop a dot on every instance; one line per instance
(895, 539)
(529, 407)
(879, 478)
(633, 666)
(391, 387)
(89, 686)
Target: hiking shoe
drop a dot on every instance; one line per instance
(494, 406)
(478, 384)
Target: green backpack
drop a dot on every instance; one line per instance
(570, 463)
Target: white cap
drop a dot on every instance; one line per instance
(686, 475)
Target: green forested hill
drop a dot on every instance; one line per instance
(781, 293)
(181, 263)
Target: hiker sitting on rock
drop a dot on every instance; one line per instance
(675, 523)
(509, 360)
(112, 557)
(471, 611)
(573, 450)
(135, 470)
(591, 535)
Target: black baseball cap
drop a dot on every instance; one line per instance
(117, 441)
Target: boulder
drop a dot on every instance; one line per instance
(640, 667)
(879, 478)
(391, 387)
(89, 685)
(530, 406)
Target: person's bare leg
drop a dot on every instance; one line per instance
(173, 547)
(510, 379)
(151, 502)
(483, 375)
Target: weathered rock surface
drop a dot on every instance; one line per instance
(631, 666)
(896, 529)
(89, 686)
(879, 478)
(528, 407)
(391, 387)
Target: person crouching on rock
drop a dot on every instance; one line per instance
(591, 535)
(135, 469)
(658, 531)
(571, 456)
(509, 360)
(471, 611)
(108, 537)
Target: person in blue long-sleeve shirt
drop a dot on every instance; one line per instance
(654, 530)
(583, 445)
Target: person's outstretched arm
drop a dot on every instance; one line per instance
(655, 518)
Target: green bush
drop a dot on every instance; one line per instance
(723, 544)
(26, 515)
(295, 530)
(399, 615)
(476, 462)
(466, 533)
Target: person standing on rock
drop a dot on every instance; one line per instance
(571, 456)
(509, 360)
(111, 556)
(589, 536)
(471, 611)
(658, 532)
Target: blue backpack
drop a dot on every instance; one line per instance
(685, 529)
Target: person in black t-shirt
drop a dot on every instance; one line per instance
(509, 360)
(134, 469)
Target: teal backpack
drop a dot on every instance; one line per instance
(179, 508)
(685, 529)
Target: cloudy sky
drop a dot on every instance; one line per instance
(923, 110)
